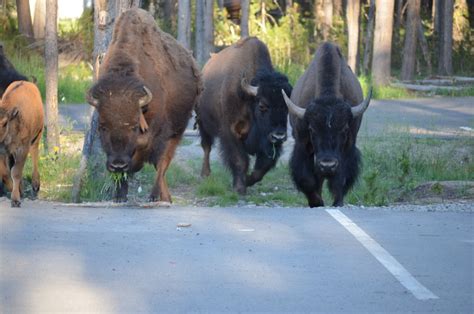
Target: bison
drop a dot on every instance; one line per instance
(248, 118)
(8, 74)
(21, 126)
(326, 109)
(145, 95)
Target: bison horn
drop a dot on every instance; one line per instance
(91, 99)
(360, 108)
(292, 107)
(145, 100)
(249, 89)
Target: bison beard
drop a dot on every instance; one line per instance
(249, 119)
(148, 87)
(326, 119)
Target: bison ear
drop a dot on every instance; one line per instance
(91, 99)
(13, 114)
(145, 100)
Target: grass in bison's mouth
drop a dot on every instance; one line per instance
(393, 168)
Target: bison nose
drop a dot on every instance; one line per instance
(278, 137)
(328, 164)
(118, 166)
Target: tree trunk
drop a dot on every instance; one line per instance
(337, 7)
(199, 32)
(184, 23)
(24, 19)
(409, 50)
(105, 14)
(424, 48)
(208, 29)
(40, 19)
(368, 37)
(381, 60)
(445, 42)
(398, 20)
(353, 14)
(328, 12)
(244, 19)
(51, 73)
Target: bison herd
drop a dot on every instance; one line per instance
(149, 86)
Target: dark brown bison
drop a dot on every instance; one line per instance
(326, 109)
(248, 118)
(8, 74)
(21, 126)
(147, 89)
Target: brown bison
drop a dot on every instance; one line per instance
(147, 89)
(247, 118)
(21, 126)
(326, 109)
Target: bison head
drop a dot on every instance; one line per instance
(269, 111)
(329, 121)
(6, 118)
(120, 103)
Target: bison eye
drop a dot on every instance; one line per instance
(135, 128)
(102, 128)
(262, 107)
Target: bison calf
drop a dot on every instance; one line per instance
(248, 118)
(21, 126)
(326, 109)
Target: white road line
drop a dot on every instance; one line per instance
(388, 261)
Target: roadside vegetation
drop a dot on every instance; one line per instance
(394, 170)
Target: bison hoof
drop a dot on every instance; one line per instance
(120, 199)
(16, 203)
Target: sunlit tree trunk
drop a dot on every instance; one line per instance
(25, 25)
(353, 14)
(184, 23)
(244, 18)
(409, 50)
(40, 19)
(382, 54)
(51, 75)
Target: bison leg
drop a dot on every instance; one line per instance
(341, 184)
(34, 151)
(262, 165)
(16, 173)
(121, 191)
(5, 176)
(237, 160)
(302, 172)
(161, 187)
(206, 142)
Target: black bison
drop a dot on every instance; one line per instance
(326, 109)
(248, 118)
(21, 126)
(8, 74)
(145, 95)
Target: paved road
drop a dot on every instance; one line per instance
(437, 116)
(63, 259)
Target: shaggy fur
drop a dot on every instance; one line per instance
(139, 55)
(243, 123)
(8, 74)
(328, 89)
(21, 126)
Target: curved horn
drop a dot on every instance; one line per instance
(145, 100)
(292, 107)
(249, 89)
(360, 108)
(91, 99)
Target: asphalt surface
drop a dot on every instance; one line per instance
(63, 259)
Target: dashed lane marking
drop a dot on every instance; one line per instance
(388, 261)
